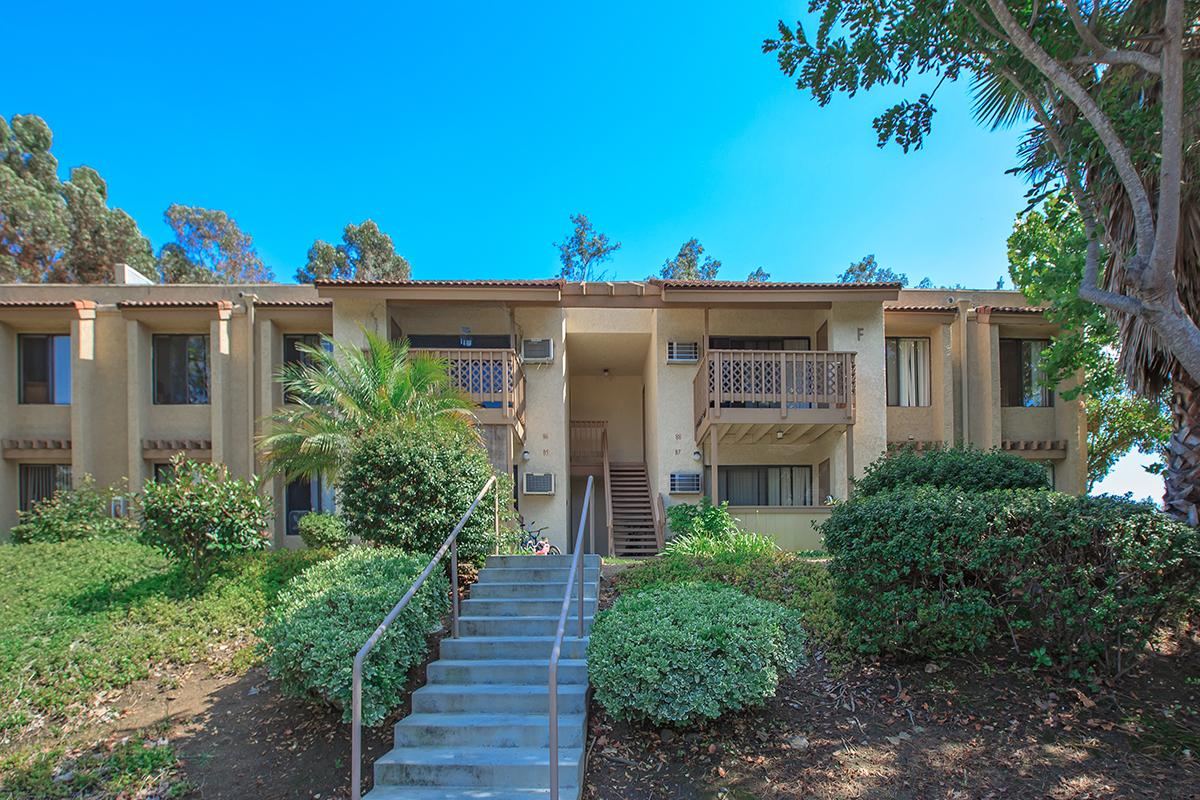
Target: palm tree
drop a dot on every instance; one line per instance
(342, 393)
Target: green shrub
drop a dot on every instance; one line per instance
(1082, 581)
(199, 515)
(411, 489)
(83, 512)
(685, 654)
(737, 543)
(780, 577)
(324, 530)
(684, 519)
(955, 468)
(327, 613)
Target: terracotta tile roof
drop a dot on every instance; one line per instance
(1010, 310)
(37, 303)
(322, 302)
(672, 284)
(169, 303)
(938, 309)
(508, 284)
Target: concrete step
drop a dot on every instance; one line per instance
(492, 589)
(452, 793)
(531, 671)
(462, 767)
(488, 730)
(545, 625)
(519, 606)
(497, 698)
(556, 575)
(561, 562)
(511, 647)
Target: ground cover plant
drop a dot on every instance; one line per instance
(81, 617)
(324, 615)
(685, 654)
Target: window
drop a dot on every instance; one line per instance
(764, 486)
(40, 481)
(759, 343)
(1022, 379)
(304, 496)
(44, 368)
(292, 354)
(907, 371)
(163, 471)
(180, 369)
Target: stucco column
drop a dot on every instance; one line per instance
(138, 389)
(219, 382)
(714, 436)
(85, 417)
(9, 474)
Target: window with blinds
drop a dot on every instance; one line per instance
(180, 367)
(44, 367)
(907, 360)
(764, 485)
(1022, 378)
(39, 482)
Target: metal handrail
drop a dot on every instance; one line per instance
(450, 544)
(556, 650)
(608, 512)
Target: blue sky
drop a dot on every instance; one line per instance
(470, 132)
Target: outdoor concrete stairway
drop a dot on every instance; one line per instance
(479, 728)
(633, 532)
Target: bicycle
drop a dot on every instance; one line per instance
(532, 541)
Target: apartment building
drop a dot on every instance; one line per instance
(771, 396)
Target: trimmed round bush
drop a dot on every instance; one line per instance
(1080, 582)
(681, 655)
(326, 614)
(82, 512)
(324, 530)
(955, 468)
(410, 488)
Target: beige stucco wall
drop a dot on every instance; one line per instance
(112, 411)
(791, 528)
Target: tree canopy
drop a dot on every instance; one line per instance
(583, 251)
(1046, 252)
(209, 247)
(55, 230)
(868, 270)
(690, 264)
(365, 253)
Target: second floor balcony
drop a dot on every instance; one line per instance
(773, 386)
(493, 379)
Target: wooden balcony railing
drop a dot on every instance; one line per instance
(587, 441)
(493, 379)
(795, 382)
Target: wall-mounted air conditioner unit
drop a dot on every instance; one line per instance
(685, 483)
(683, 352)
(537, 351)
(538, 483)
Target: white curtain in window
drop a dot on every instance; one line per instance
(912, 372)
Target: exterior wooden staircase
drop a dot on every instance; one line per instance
(634, 529)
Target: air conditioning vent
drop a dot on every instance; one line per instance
(683, 352)
(537, 351)
(685, 483)
(539, 483)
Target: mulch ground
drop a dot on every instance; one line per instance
(957, 730)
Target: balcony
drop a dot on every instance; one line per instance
(761, 388)
(493, 379)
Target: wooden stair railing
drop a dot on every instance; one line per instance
(607, 489)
